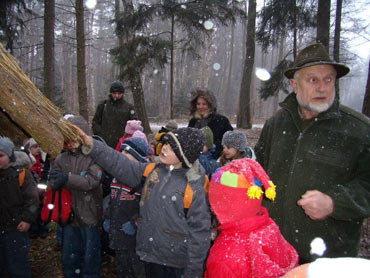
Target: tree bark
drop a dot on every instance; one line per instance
(244, 115)
(49, 49)
(366, 105)
(135, 78)
(81, 67)
(323, 23)
(171, 64)
(336, 50)
(228, 88)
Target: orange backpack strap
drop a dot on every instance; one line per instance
(148, 169)
(206, 184)
(21, 177)
(189, 193)
(188, 196)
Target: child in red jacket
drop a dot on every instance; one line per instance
(250, 243)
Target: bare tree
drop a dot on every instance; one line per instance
(81, 67)
(366, 105)
(244, 114)
(49, 50)
(323, 23)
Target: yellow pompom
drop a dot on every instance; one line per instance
(254, 192)
(271, 191)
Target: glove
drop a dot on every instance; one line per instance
(129, 228)
(106, 225)
(59, 179)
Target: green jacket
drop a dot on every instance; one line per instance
(110, 119)
(331, 155)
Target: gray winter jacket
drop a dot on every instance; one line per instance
(84, 185)
(165, 234)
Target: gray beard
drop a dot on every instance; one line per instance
(318, 108)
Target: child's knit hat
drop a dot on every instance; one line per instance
(187, 143)
(235, 190)
(137, 147)
(30, 143)
(235, 139)
(7, 146)
(132, 126)
(209, 136)
(140, 134)
(171, 125)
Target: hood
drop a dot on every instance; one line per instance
(80, 122)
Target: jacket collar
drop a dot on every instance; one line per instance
(291, 105)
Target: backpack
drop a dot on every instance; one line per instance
(57, 206)
(188, 194)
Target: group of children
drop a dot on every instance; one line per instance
(159, 214)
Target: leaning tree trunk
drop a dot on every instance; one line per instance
(244, 115)
(26, 112)
(81, 67)
(49, 65)
(323, 23)
(366, 105)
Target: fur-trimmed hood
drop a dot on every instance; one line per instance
(22, 160)
(207, 95)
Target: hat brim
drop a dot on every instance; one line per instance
(341, 69)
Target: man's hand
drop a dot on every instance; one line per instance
(23, 226)
(316, 204)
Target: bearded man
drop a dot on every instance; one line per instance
(317, 152)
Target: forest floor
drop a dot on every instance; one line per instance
(46, 259)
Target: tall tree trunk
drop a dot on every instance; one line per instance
(49, 49)
(138, 95)
(336, 53)
(295, 31)
(323, 23)
(135, 78)
(81, 67)
(366, 105)
(228, 88)
(4, 10)
(244, 115)
(171, 64)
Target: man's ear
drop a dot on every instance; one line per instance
(293, 83)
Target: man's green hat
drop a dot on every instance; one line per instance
(312, 55)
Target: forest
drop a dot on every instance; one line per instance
(73, 49)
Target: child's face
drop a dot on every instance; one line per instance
(168, 156)
(4, 160)
(230, 152)
(35, 150)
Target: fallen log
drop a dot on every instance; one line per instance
(28, 111)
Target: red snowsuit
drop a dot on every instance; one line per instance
(251, 247)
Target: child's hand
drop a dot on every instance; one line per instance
(86, 139)
(23, 226)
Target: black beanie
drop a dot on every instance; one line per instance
(116, 86)
(187, 143)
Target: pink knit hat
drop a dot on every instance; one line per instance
(132, 126)
(242, 182)
(140, 134)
